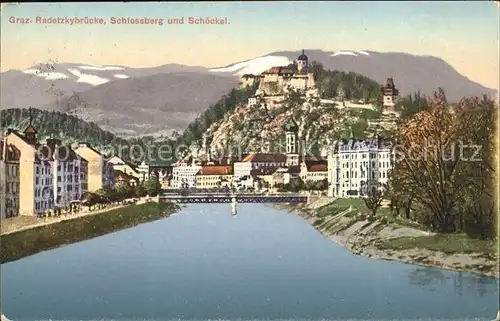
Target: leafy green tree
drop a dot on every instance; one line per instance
(411, 104)
(124, 191)
(152, 186)
(140, 191)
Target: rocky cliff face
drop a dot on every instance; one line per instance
(258, 128)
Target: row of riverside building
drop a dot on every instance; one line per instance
(37, 176)
(41, 175)
(351, 168)
(252, 170)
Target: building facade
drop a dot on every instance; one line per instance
(35, 178)
(184, 174)
(356, 167)
(100, 172)
(123, 166)
(69, 174)
(3, 175)
(12, 174)
(143, 170)
(255, 161)
(314, 170)
(163, 174)
(214, 176)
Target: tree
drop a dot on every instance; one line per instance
(89, 199)
(124, 191)
(296, 184)
(321, 185)
(152, 186)
(435, 171)
(140, 191)
(477, 212)
(411, 104)
(374, 194)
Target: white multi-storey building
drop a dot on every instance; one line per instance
(44, 187)
(257, 160)
(356, 167)
(143, 170)
(184, 174)
(69, 177)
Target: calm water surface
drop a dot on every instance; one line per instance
(264, 264)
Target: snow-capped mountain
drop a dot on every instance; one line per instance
(254, 66)
(148, 100)
(350, 53)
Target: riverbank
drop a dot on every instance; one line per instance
(389, 239)
(34, 239)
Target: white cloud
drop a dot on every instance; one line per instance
(46, 75)
(121, 76)
(255, 66)
(101, 68)
(88, 79)
(344, 53)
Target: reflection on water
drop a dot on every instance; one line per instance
(263, 264)
(430, 279)
(434, 279)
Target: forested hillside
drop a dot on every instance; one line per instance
(345, 85)
(57, 124)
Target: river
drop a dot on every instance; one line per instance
(263, 264)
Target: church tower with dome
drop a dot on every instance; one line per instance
(275, 82)
(302, 63)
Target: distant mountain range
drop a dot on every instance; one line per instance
(138, 101)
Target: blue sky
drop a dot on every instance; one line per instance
(465, 34)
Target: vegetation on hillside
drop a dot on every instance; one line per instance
(345, 85)
(71, 129)
(57, 124)
(214, 113)
(411, 104)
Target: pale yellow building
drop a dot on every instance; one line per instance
(214, 176)
(100, 173)
(35, 183)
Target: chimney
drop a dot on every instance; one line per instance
(83, 145)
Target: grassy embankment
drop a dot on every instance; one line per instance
(446, 243)
(28, 242)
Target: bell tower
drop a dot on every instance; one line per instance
(291, 136)
(302, 62)
(30, 133)
(390, 95)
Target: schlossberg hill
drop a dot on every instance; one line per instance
(345, 103)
